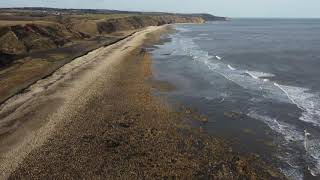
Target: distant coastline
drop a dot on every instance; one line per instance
(57, 36)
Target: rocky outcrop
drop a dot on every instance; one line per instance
(23, 39)
(10, 44)
(20, 39)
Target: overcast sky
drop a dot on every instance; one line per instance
(230, 8)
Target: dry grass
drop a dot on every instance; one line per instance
(100, 17)
(14, 23)
(12, 19)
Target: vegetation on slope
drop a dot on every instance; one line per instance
(32, 29)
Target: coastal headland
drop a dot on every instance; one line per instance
(93, 114)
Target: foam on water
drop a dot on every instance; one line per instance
(312, 147)
(289, 132)
(231, 68)
(292, 173)
(182, 29)
(258, 81)
(309, 103)
(259, 75)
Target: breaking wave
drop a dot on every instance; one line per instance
(259, 75)
(307, 102)
(218, 57)
(289, 132)
(231, 68)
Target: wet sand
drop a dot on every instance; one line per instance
(96, 118)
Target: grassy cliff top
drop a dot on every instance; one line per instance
(9, 16)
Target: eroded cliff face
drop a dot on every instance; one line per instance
(32, 48)
(132, 23)
(25, 38)
(10, 43)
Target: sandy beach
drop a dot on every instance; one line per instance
(96, 118)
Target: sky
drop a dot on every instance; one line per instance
(229, 8)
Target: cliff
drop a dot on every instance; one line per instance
(209, 17)
(102, 27)
(34, 42)
(21, 39)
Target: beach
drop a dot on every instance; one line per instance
(97, 117)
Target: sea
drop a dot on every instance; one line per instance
(257, 81)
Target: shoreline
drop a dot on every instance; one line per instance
(104, 121)
(13, 109)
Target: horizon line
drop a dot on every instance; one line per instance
(145, 11)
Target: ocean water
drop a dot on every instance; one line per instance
(258, 81)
